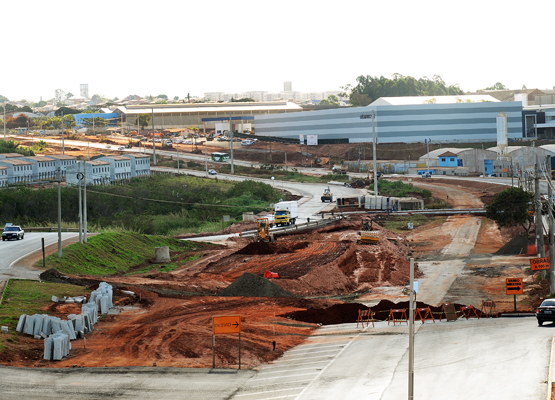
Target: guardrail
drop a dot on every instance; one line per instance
(316, 223)
(48, 229)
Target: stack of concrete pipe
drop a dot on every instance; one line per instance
(57, 333)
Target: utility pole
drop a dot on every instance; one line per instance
(374, 144)
(540, 248)
(5, 121)
(177, 148)
(62, 124)
(80, 207)
(85, 201)
(206, 160)
(59, 213)
(411, 331)
(551, 228)
(153, 138)
(231, 142)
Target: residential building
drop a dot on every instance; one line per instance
(44, 168)
(3, 176)
(96, 172)
(140, 165)
(63, 161)
(18, 170)
(120, 167)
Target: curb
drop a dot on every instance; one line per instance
(550, 371)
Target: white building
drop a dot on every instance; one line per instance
(96, 172)
(44, 168)
(63, 161)
(140, 165)
(120, 167)
(3, 176)
(19, 171)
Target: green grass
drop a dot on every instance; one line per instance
(114, 253)
(400, 189)
(165, 267)
(399, 224)
(28, 297)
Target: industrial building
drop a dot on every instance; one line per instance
(456, 161)
(400, 119)
(201, 115)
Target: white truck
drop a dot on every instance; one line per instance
(286, 213)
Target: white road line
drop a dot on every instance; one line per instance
(326, 367)
(298, 365)
(283, 376)
(308, 358)
(289, 370)
(278, 383)
(269, 391)
(303, 348)
(309, 352)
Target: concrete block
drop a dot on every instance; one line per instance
(48, 348)
(43, 335)
(29, 325)
(37, 337)
(37, 329)
(4, 329)
(70, 301)
(21, 323)
(47, 326)
(55, 299)
(162, 254)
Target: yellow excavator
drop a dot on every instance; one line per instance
(366, 235)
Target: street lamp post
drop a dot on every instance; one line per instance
(374, 143)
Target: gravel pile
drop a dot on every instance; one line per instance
(517, 245)
(249, 285)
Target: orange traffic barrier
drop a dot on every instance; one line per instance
(488, 308)
(427, 314)
(269, 275)
(365, 316)
(469, 312)
(401, 314)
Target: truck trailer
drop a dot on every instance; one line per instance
(286, 213)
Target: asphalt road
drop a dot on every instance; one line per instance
(14, 250)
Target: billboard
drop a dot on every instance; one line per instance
(312, 140)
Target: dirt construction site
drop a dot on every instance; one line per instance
(324, 277)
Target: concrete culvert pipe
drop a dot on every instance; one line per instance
(162, 254)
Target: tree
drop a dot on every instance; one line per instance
(175, 98)
(369, 88)
(96, 99)
(95, 121)
(143, 120)
(523, 87)
(3, 99)
(161, 102)
(69, 95)
(59, 96)
(41, 103)
(66, 111)
(163, 96)
(510, 208)
(497, 86)
(69, 121)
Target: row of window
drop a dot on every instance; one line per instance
(22, 168)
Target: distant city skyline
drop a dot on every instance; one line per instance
(173, 47)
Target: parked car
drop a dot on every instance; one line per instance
(121, 148)
(546, 311)
(108, 146)
(188, 142)
(426, 175)
(247, 143)
(212, 172)
(13, 232)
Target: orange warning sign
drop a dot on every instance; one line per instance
(226, 324)
(537, 264)
(514, 285)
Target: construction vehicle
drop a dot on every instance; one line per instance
(327, 196)
(366, 235)
(286, 213)
(263, 231)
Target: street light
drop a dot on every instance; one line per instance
(374, 144)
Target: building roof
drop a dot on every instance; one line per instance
(117, 158)
(11, 155)
(414, 100)
(15, 161)
(98, 162)
(509, 95)
(39, 158)
(448, 154)
(137, 155)
(62, 157)
(208, 107)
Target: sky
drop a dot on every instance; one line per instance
(175, 47)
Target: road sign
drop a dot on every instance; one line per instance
(514, 285)
(537, 264)
(226, 324)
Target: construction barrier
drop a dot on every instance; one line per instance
(488, 308)
(448, 310)
(401, 313)
(469, 312)
(365, 316)
(427, 314)
(269, 275)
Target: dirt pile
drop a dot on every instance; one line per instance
(249, 285)
(517, 245)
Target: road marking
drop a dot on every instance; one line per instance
(278, 383)
(308, 352)
(290, 369)
(326, 367)
(307, 363)
(309, 358)
(283, 376)
(269, 391)
(315, 347)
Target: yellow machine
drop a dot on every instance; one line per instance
(327, 195)
(263, 231)
(366, 235)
